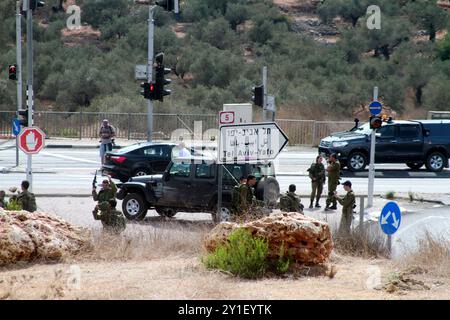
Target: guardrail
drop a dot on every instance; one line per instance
(133, 126)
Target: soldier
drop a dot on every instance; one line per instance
(246, 192)
(317, 176)
(334, 172)
(112, 219)
(290, 202)
(107, 192)
(236, 195)
(107, 134)
(3, 202)
(25, 198)
(348, 204)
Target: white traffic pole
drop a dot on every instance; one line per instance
(264, 93)
(19, 68)
(30, 86)
(151, 33)
(372, 159)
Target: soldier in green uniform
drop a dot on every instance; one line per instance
(3, 202)
(317, 176)
(107, 192)
(247, 196)
(290, 202)
(112, 219)
(236, 195)
(348, 204)
(334, 172)
(26, 199)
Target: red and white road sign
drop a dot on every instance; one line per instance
(31, 140)
(227, 117)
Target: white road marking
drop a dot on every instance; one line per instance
(68, 158)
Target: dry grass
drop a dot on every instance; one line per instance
(168, 239)
(432, 254)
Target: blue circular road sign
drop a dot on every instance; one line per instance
(390, 218)
(375, 107)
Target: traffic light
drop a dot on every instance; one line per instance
(34, 4)
(160, 80)
(168, 5)
(258, 96)
(13, 72)
(375, 122)
(149, 90)
(23, 117)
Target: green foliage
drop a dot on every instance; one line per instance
(243, 255)
(390, 195)
(13, 205)
(443, 48)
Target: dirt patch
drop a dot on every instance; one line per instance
(85, 35)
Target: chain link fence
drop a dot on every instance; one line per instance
(134, 125)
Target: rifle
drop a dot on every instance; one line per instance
(94, 182)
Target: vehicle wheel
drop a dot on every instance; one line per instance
(141, 172)
(134, 207)
(166, 212)
(268, 190)
(414, 165)
(435, 162)
(225, 215)
(357, 161)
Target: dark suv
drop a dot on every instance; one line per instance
(192, 186)
(414, 143)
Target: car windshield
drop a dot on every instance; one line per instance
(364, 129)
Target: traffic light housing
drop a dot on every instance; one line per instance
(375, 122)
(160, 80)
(13, 72)
(168, 5)
(34, 4)
(23, 117)
(149, 90)
(258, 96)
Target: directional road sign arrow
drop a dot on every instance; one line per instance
(390, 218)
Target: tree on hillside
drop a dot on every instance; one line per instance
(443, 48)
(349, 10)
(428, 15)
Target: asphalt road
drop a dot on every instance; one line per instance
(70, 171)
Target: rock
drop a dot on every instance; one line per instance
(308, 240)
(26, 236)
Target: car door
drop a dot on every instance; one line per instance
(177, 187)
(203, 185)
(158, 157)
(386, 142)
(409, 142)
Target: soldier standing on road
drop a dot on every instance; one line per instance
(290, 202)
(348, 204)
(317, 176)
(334, 172)
(3, 202)
(107, 134)
(107, 192)
(25, 199)
(112, 219)
(246, 192)
(236, 195)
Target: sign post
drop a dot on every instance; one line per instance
(375, 108)
(31, 141)
(390, 219)
(242, 143)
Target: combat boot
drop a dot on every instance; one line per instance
(311, 205)
(318, 205)
(333, 208)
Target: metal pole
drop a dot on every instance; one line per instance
(372, 159)
(151, 33)
(389, 245)
(264, 74)
(361, 215)
(19, 68)
(219, 193)
(30, 86)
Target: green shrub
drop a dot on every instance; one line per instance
(13, 205)
(390, 195)
(243, 255)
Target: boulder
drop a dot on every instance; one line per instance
(26, 236)
(308, 240)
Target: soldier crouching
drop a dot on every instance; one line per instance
(112, 219)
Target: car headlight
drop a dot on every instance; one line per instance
(339, 144)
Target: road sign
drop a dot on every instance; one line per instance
(270, 104)
(16, 127)
(250, 142)
(31, 140)
(140, 72)
(375, 107)
(390, 218)
(227, 117)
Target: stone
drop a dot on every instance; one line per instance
(308, 240)
(26, 236)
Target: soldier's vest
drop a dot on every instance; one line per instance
(286, 203)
